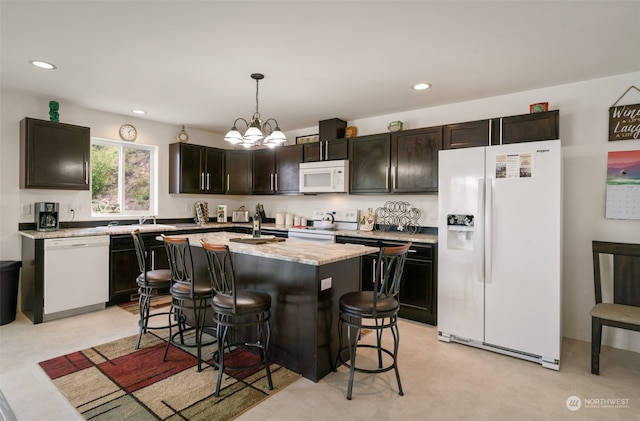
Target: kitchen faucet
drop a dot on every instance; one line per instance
(143, 219)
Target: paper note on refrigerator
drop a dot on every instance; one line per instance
(516, 165)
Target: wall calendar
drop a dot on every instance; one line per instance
(623, 185)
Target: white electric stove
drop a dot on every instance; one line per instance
(342, 220)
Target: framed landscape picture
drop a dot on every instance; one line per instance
(311, 138)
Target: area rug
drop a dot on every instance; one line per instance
(157, 302)
(115, 382)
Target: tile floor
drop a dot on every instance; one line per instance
(441, 381)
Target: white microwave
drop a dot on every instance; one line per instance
(324, 177)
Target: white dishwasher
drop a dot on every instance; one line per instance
(76, 275)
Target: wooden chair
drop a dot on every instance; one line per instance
(623, 310)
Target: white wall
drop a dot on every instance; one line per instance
(583, 129)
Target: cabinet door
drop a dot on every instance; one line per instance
(326, 150)
(123, 270)
(469, 134)
(264, 169)
(54, 155)
(188, 174)
(417, 295)
(414, 165)
(312, 152)
(369, 163)
(238, 165)
(215, 174)
(288, 159)
(530, 127)
(336, 149)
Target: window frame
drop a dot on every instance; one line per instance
(153, 177)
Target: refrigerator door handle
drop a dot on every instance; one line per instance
(488, 231)
(479, 235)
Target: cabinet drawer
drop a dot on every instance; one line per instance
(121, 242)
(417, 251)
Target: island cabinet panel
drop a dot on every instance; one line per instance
(471, 133)
(304, 333)
(196, 169)
(239, 172)
(530, 127)
(414, 160)
(54, 155)
(370, 157)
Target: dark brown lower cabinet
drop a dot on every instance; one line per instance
(123, 265)
(123, 262)
(418, 288)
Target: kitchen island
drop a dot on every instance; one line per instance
(305, 280)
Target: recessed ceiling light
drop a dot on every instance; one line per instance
(43, 64)
(421, 86)
(138, 111)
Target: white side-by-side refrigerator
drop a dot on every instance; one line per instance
(500, 249)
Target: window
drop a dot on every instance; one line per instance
(123, 178)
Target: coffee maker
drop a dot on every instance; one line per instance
(47, 216)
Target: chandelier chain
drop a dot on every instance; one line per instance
(257, 87)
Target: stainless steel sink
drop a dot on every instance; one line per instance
(141, 227)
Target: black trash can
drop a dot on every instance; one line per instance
(9, 278)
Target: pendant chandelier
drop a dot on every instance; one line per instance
(256, 133)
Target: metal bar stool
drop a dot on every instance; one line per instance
(151, 283)
(188, 293)
(236, 309)
(376, 310)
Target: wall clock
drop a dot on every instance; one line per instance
(183, 136)
(128, 132)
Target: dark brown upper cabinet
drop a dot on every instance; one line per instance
(414, 160)
(401, 162)
(276, 171)
(54, 155)
(196, 169)
(239, 169)
(530, 127)
(326, 150)
(471, 133)
(369, 163)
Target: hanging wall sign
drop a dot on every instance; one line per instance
(624, 120)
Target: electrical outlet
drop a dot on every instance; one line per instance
(25, 209)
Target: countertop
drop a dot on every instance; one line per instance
(126, 229)
(292, 250)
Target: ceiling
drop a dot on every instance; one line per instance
(189, 62)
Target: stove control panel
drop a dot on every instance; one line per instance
(348, 215)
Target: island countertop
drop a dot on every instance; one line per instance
(292, 250)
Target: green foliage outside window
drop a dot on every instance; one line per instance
(115, 189)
